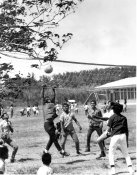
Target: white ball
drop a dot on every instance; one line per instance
(48, 69)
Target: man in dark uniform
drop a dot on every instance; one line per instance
(95, 125)
(49, 114)
(118, 127)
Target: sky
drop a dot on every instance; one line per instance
(104, 32)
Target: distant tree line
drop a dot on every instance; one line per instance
(69, 85)
(95, 77)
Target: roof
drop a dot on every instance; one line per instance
(71, 101)
(123, 83)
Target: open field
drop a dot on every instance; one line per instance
(31, 139)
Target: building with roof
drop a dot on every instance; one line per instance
(119, 90)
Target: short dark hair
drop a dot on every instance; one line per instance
(65, 104)
(117, 108)
(46, 158)
(112, 103)
(93, 101)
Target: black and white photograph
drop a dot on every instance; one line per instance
(68, 87)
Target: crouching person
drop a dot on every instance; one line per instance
(45, 169)
(7, 129)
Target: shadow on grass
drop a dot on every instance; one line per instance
(27, 171)
(25, 159)
(67, 170)
(132, 152)
(122, 158)
(33, 146)
(76, 161)
(82, 154)
(122, 172)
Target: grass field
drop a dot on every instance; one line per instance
(31, 139)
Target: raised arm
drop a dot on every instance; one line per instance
(101, 118)
(42, 94)
(93, 117)
(54, 96)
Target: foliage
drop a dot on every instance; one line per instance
(92, 78)
(28, 27)
(70, 85)
(5, 68)
(18, 87)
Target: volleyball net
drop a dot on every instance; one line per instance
(78, 86)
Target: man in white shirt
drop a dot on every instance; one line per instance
(28, 111)
(7, 129)
(34, 110)
(67, 127)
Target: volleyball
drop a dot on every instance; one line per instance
(48, 69)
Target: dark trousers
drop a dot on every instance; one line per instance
(7, 139)
(50, 129)
(74, 137)
(99, 132)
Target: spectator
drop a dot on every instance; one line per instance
(34, 110)
(45, 169)
(22, 111)
(28, 111)
(125, 105)
(11, 110)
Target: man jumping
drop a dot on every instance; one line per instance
(49, 114)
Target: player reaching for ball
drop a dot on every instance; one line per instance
(49, 114)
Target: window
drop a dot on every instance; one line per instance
(122, 94)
